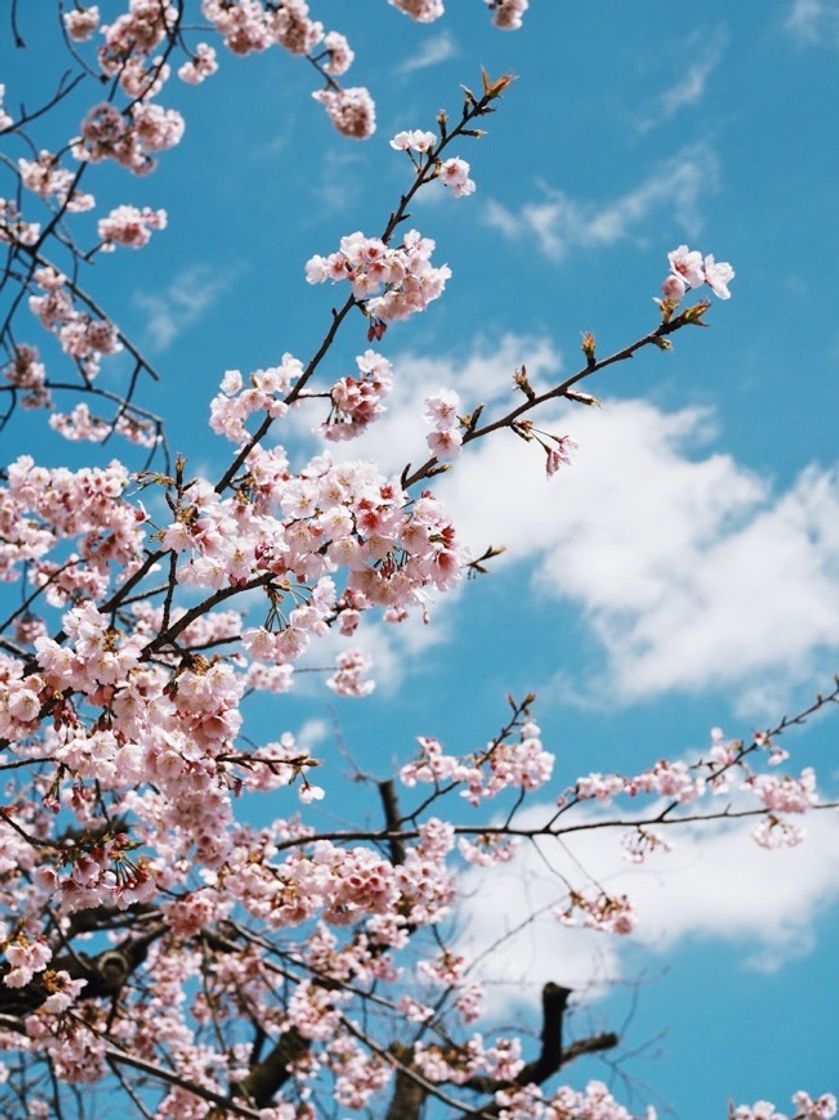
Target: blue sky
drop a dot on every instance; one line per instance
(684, 572)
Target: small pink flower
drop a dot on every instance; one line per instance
(687, 264)
(445, 445)
(718, 274)
(674, 288)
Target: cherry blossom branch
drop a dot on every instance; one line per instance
(385, 836)
(92, 305)
(228, 1104)
(690, 316)
(428, 1087)
(61, 92)
(426, 171)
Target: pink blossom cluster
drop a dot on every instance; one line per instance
(786, 794)
(333, 516)
(488, 848)
(595, 1102)
(519, 762)
(100, 875)
(454, 173)
(357, 958)
(424, 11)
(12, 226)
(247, 26)
(25, 958)
(26, 371)
(683, 783)
(39, 507)
(45, 177)
(469, 1002)
(81, 22)
(352, 110)
(344, 885)
(457, 1064)
(415, 139)
(441, 411)
(668, 778)
(501, 1061)
(414, 1011)
(598, 910)
(356, 401)
(230, 410)
(129, 139)
(135, 34)
(508, 14)
(200, 66)
(410, 281)
(81, 424)
(293, 29)
(806, 1108)
(81, 336)
(358, 1074)
(341, 55)
(446, 967)
(688, 269)
(350, 678)
(130, 226)
(775, 832)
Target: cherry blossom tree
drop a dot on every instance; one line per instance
(161, 953)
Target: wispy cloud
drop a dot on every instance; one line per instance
(432, 52)
(814, 21)
(340, 185)
(559, 223)
(181, 304)
(706, 51)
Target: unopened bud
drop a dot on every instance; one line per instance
(521, 382)
(581, 398)
(588, 345)
(494, 88)
(694, 314)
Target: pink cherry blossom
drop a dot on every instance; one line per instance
(718, 274)
(81, 22)
(687, 265)
(352, 111)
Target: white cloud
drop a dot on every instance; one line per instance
(559, 223)
(717, 883)
(814, 21)
(181, 304)
(689, 569)
(313, 733)
(438, 49)
(706, 51)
